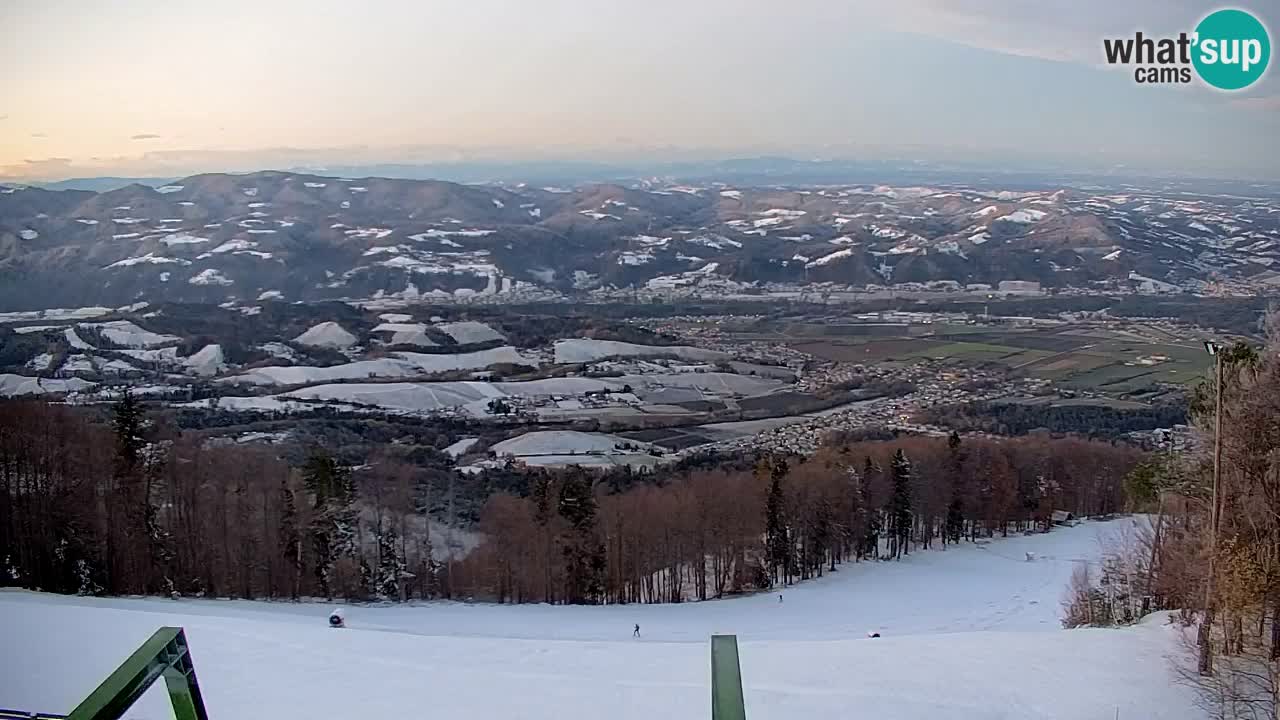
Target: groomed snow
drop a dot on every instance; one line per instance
(967, 634)
(583, 350)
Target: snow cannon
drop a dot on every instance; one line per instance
(338, 618)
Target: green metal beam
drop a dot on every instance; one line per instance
(166, 655)
(726, 680)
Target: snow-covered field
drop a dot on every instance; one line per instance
(966, 634)
(399, 365)
(582, 350)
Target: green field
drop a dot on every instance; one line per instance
(1080, 357)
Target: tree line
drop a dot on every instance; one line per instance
(1101, 420)
(1227, 582)
(134, 506)
(712, 532)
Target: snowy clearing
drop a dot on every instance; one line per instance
(967, 634)
(399, 365)
(148, 259)
(468, 332)
(182, 239)
(126, 334)
(207, 361)
(1024, 216)
(583, 350)
(211, 276)
(563, 442)
(326, 334)
(830, 258)
(15, 385)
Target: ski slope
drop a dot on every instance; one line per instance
(968, 633)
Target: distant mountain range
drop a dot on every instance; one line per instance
(766, 170)
(295, 236)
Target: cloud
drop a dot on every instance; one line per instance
(1069, 32)
(41, 169)
(4, 117)
(1268, 103)
(145, 136)
(39, 135)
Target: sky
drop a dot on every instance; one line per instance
(173, 87)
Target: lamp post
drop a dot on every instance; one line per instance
(1206, 624)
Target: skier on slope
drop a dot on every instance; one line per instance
(338, 618)
(636, 633)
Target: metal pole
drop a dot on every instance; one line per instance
(726, 680)
(1206, 625)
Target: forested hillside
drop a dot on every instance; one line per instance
(134, 508)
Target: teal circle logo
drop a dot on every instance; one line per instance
(1232, 49)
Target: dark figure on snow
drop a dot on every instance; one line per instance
(779, 597)
(337, 618)
(636, 633)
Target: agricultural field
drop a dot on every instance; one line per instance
(1091, 357)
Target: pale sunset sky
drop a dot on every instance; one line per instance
(173, 87)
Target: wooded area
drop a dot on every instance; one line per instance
(1168, 565)
(709, 533)
(135, 508)
(1009, 418)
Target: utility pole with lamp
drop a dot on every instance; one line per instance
(1204, 638)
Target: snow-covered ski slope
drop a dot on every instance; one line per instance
(972, 632)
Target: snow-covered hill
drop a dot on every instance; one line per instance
(967, 633)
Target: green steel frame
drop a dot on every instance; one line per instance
(726, 679)
(167, 655)
(164, 655)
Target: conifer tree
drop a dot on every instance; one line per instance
(874, 521)
(333, 528)
(900, 517)
(777, 540)
(290, 537)
(391, 565)
(954, 526)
